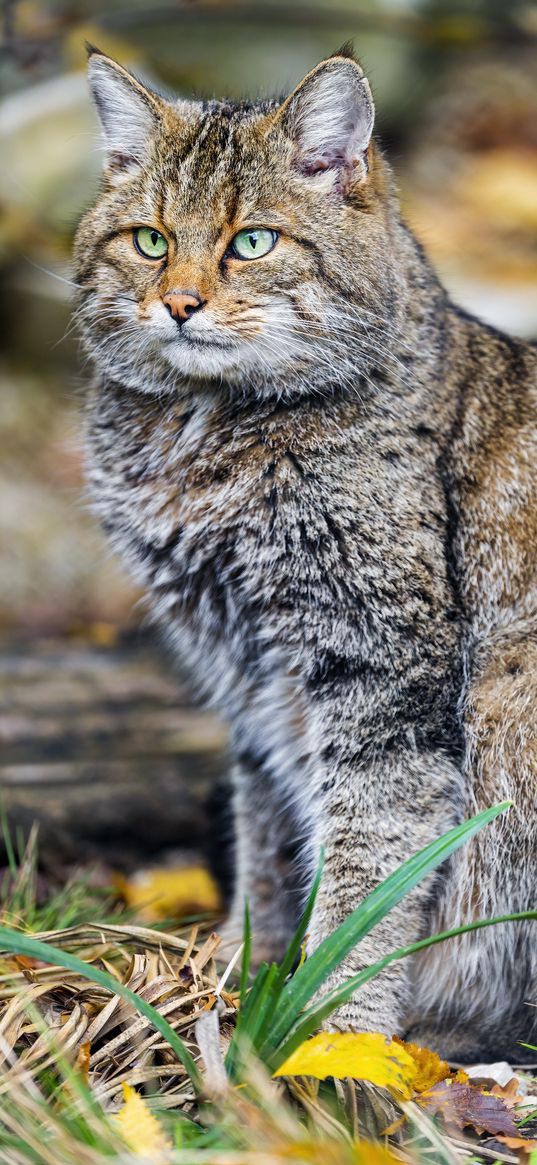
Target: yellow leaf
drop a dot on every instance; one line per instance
(140, 1129)
(103, 634)
(363, 1055)
(369, 1154)
(170, 893)
(430, 1069)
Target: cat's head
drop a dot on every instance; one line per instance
(244, 244)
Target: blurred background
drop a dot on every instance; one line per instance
(98, 735)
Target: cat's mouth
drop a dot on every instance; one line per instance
(204, 356)
(188, 339)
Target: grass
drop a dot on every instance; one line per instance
(88, 1007)
(73, 903)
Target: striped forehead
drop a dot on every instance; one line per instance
(209, 176)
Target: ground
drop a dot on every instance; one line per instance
(102, 746)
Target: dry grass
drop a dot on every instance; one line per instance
(102, 1032)
(69, 1046)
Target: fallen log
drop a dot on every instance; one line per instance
(104, 748)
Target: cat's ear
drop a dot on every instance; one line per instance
(330, 118)
(129, 114)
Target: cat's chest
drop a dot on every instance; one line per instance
(196, 491)
(299, 503)
(279, 538)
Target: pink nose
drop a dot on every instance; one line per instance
(182, 304)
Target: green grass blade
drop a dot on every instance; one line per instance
(262, 1010)
(246, 955)
(532, 1115)
(5, 832)
(246, 1016)
(258, 1009)
(252, 996)
(260, 1023)
(311, 1019)
(306, 982)
(293, 949)
(22, 944)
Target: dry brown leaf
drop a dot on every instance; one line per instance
(518, 1143)
(509, 1092)
(462, 1105)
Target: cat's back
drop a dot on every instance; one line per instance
(494, 468)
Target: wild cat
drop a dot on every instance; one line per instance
(325, 475)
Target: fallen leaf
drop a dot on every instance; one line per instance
(509, 1093)
(462, 1105)
(170, 893)
(518, 1143)
(23, 963)
(103, 634)
(430, 1069)
(141, 1130)
(363, 1056)
(369, 1154)
(499, 1073)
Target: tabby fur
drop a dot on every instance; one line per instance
(326, 481)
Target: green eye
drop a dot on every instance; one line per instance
(150, 243)
(252, 243)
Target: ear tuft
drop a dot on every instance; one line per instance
(346, 51)
(330, 118)
(128, 111)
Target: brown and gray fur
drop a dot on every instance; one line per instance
(326, 480)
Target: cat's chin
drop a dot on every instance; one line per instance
(205, 361)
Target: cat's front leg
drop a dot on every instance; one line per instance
(265, 871)
(369, 818)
